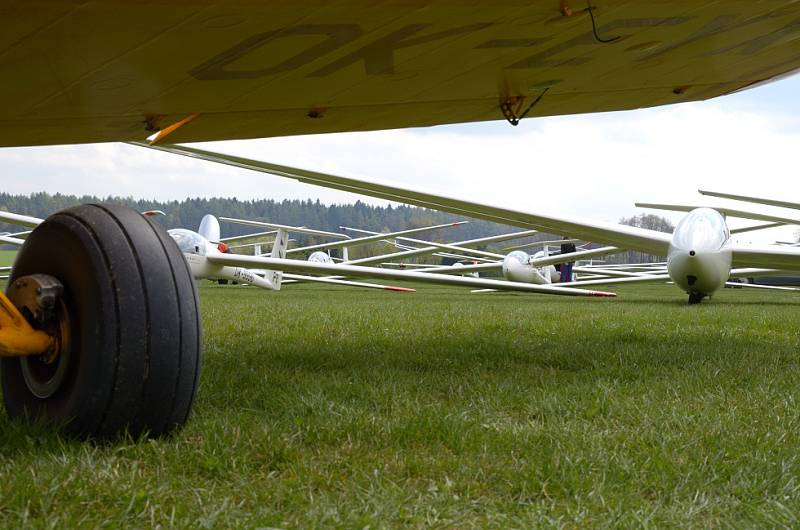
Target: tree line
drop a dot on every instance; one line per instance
(187, 213)
(313, 214)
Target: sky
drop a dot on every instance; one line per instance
(594, 166)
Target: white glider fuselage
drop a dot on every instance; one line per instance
(699, 258)
(517, 268)
(320, 257)
(195, 248)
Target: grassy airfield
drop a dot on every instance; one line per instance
(348, 408)
(7, 257)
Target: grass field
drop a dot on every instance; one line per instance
(7, 257)
(324, 407)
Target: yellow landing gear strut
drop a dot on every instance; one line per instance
(32, 320)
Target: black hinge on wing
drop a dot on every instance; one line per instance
(509, 113)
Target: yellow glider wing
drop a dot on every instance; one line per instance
(111, 70)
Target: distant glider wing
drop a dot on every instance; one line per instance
(769, 257)
(635, 238)
(347, 283)
(369, 239)
(10, 240)
(295, 229)
(730, 212)
(295, 266)
(20, 220)
(756, 200)
(754, 228)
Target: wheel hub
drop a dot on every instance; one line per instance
(39, 298)
(44, 378)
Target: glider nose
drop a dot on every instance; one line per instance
(691, 279)
(697, 271)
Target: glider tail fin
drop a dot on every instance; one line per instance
(209, 228)
(278, 251)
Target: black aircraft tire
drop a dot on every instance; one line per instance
(135, 349)
(695, 298)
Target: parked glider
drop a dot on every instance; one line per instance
(700, 253)
(318, 250)
(519, 266)
(431, 249)
(199, 253)
(206, 260)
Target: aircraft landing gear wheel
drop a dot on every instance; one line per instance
(129, 311)
(696, 298)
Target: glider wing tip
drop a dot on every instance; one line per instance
(399, 289)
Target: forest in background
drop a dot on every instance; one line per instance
(313, 214)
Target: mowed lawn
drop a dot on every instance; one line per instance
(7, 257)
(327, 407)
